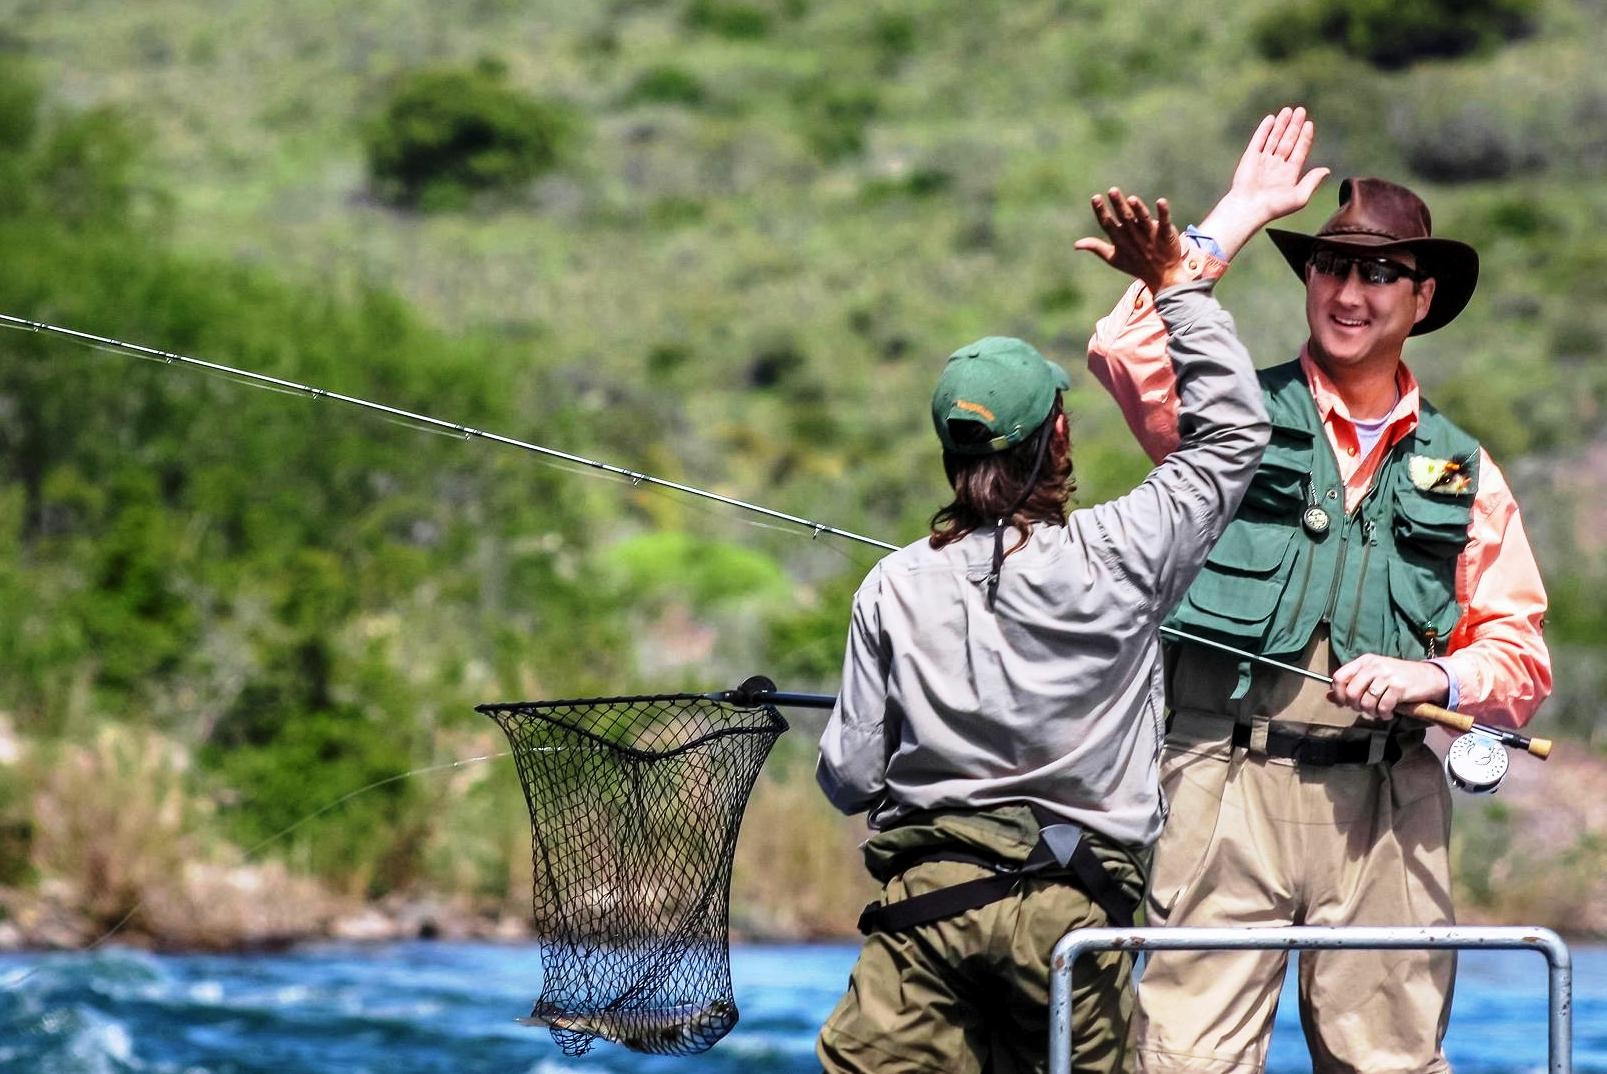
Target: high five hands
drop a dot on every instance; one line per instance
(1270, 182)
(1140, 244)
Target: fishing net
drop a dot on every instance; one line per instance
(635, 804)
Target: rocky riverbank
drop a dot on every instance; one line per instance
(1535, 853)
(246, 908)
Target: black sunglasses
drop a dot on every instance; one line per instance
(1374, 270)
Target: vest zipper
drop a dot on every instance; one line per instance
(1369, 538)
(1339, 573)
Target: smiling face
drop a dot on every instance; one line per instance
(1356, 325)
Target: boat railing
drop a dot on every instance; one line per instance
(1301, 938)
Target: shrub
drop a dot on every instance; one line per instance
(19, 106)
(893, 34)
(112, 818)
(922, 182)
(833, 117)
(1470, 145)
(1394, 33)
(446, 134)
(1542, 107)
(666, 84)
(728, 18)
(287, 788)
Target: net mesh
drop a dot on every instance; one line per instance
(635, 804)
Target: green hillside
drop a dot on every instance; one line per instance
(721, 241)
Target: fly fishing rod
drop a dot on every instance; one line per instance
(1538, 747)
(451, 427)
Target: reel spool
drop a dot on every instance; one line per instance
(1476, 764)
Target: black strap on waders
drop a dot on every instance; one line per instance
(1061, 848)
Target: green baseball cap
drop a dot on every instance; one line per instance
(1000, 383)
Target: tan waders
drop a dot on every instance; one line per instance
(1258, 837)
(970, 993)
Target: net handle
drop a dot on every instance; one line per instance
(761, 690)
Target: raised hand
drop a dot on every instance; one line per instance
(1139, 244)
(1270, 181)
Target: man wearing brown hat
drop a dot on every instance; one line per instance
(1378, 543)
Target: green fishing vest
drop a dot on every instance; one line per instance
(1383, 578)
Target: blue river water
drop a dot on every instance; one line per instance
(434, 1008)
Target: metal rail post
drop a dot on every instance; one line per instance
(1512, 938)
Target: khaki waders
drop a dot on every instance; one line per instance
(1352, 829)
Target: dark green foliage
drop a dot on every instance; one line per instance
(445, 135)
(19, 106)
(308, 760)
(832, 117)
(777, 363)
(805, 640)
(1522, 218)
(921, 182)
(89, 166)
(79, 168)
(735, 19)
(667, 84)
(672, 212)
(664, 360)
(1394, 33)
(893, 34)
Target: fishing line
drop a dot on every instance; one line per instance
(252, 852)
(557, 460)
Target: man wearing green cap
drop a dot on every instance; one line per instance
(1000, 711)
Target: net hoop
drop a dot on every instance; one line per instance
(635, 806)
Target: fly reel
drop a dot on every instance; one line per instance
(1476, 764)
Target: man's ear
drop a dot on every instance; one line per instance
(1425, 298)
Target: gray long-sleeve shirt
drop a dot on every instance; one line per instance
(1054, 697)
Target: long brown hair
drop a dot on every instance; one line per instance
(986, 485)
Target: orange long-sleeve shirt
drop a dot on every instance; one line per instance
(1496, 658)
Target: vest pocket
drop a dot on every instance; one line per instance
(1435, 528)
(1424, 595)
(1279, 485)
(1237, 590)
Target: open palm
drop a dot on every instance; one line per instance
(1269, 173)
(1270, 181)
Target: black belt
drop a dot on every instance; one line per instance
(1319, 752)
(1080, 864)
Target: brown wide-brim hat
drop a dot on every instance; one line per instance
(1377, 216)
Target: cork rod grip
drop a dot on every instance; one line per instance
(1422, 710)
